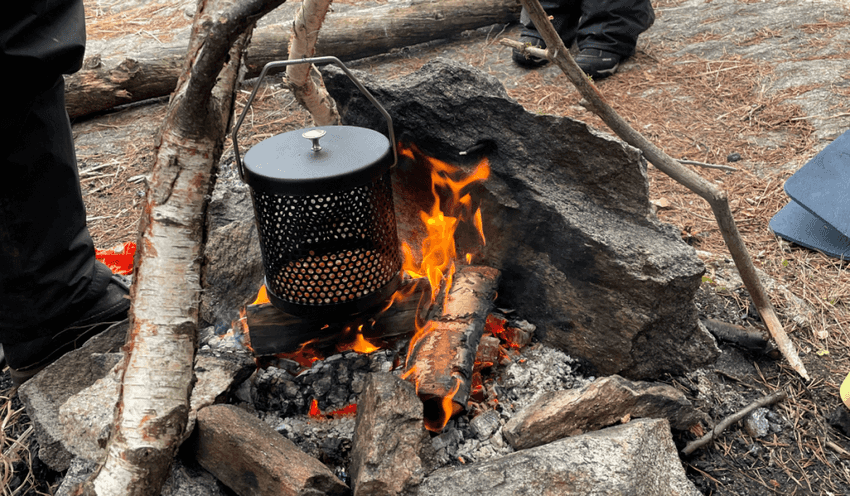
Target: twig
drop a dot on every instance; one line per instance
(708, 166)
(715, 197)
(731, 419)
(838, 449)
(18, 442)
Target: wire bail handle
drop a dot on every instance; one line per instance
(315, 61)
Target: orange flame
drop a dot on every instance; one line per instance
(359, 344)
(438, 250)
(448, 409)
(262, 296)
(479, 224)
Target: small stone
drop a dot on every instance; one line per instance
(733, 157)
(322, 386)
(485, 424)
(358, 379)
(497, 440)
(337, 397)
(756, 423)
(243, 392)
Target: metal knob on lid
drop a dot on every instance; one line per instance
(314, 135)
(325, 216)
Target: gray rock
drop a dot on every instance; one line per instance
(577, 242)
(756, 423)
(88, 417)
(79, 471)
(217, 374)
(391, 449)
(638, 458)
(183, 481)
(72, 402)
(233, 268)
(602, 403)
(50, 389)
(485, 424)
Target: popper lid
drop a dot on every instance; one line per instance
(318, 160)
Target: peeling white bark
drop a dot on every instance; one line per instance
(304, 80)
(156, 383)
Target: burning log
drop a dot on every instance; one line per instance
(272, 331)
(442, 353)
(112, 77)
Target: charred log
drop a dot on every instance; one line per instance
(442, 354)
(272, 331)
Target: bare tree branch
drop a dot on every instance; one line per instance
(716, 198)
(770, 399)
(304, 80)
(157, 374)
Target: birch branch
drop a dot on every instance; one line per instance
(153, 408)
(304, 80)
(716, 198)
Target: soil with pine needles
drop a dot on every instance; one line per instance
(695, 105)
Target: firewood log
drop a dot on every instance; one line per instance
(442, 354)
(112, 77)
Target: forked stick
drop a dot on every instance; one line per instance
(560, 55)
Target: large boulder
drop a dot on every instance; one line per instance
(566, 215)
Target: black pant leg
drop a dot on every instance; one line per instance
(614, 25)
(565, 17)
(47, 264)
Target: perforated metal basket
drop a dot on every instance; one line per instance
(324, 208)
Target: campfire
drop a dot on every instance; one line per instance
(442, 368)
(452, 302)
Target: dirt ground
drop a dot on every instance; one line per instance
(766, 81)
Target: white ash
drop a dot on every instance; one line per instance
(539, 370)
(328, 440)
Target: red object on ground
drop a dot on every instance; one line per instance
(118, 258)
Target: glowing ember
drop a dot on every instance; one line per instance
(315, 412)
(314, 409)
(497, 326)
